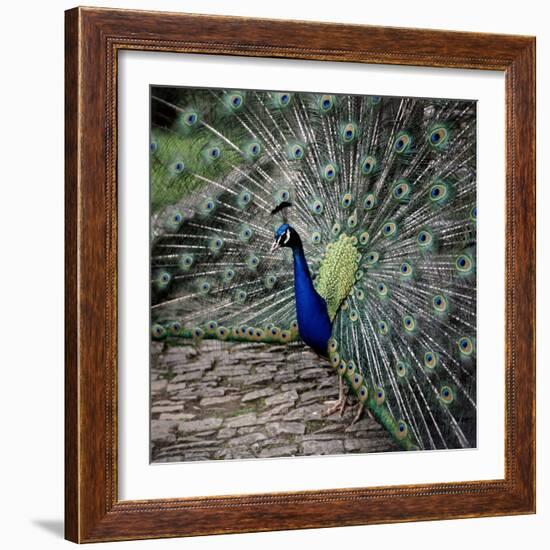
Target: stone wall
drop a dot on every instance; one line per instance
(225, 400)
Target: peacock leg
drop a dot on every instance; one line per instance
(340, 404)
(356, 417)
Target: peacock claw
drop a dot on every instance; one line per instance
(340, 404)
(356, 417)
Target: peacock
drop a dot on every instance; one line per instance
(346, 222)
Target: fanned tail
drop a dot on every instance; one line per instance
(383, 194)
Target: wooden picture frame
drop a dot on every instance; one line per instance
(93, 511)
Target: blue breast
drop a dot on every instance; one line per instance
(314, 323)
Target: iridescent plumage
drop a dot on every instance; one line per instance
(383, 194)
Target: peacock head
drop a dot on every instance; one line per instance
(286, 236)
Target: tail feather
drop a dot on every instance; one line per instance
(395, 176)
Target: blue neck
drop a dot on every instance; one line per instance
(302, 276)
(314, 323)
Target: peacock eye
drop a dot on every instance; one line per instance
(431, 360)
(179, 167)
(372, 258)
(254, 149)
(235, 101)
(389, 229)
(402, 143)
(295, 152)
(402, 369)
(326, 102)
(439, 303)
(368, 165)
(190, 118)
(402, 430)
(349, 132)
(406, 269)
(186, 261)
(424, 238)
(446, 394)
(228, 274)
(347, 200)
(208, 206)
(157, 330)
(270, 281)
(402, 191)
(370, 202)
(317, 206)
(316, 237)
(329, 172)
(153, 146)
(383, 328)
(438, 136)
(440, 192)
(466, 346)
(464, 264)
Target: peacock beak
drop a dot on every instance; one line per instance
(276, 244)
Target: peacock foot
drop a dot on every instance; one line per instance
(335, 406)
(338, 405)
(357, 416)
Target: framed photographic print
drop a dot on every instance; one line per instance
(283, 310)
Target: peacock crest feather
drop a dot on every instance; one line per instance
(372, 203)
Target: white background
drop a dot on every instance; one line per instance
(140, 480)
(31, 400)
